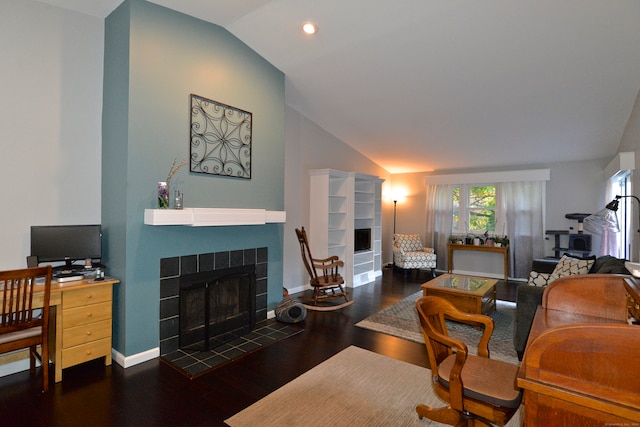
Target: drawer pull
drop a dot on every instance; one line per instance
(89, 296)
(89, 314)
(89, 333)
(88, 352)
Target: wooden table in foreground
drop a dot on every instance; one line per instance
(467, 293)
(574, 382)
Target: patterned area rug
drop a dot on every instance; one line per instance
(401, 320)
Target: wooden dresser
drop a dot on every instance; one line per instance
(86, 323)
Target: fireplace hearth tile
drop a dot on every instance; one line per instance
(194, 363)
(221, 260)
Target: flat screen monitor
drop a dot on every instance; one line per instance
(68, 243)
(362, 239)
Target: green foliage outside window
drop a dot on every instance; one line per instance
(474, 212)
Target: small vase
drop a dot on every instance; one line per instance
(163, 195)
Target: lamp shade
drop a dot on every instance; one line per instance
(605, 219)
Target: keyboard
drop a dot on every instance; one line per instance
(67, 278)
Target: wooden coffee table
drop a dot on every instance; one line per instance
(467, 293)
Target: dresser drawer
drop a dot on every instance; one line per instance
(86, 333)
(85, 352)
(86, 296)
(86, 314)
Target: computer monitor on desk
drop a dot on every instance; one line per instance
(66, 243)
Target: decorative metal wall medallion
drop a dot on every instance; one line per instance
(220, 139)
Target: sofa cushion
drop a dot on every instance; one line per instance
(568, 266)
(608, 264)
(538, 279)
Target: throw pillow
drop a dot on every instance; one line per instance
(568, 266)
(538, 279)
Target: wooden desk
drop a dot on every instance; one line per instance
(504, 250)
(580, 370)
(80, 324)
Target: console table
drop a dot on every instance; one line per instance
(504, 250)
(80, 325)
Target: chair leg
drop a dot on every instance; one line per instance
(32, 359)
(45, 366)
(446, 415)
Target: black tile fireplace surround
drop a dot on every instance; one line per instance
(172, 268)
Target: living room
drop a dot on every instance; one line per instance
(92, 123)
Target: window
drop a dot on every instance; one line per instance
(474, 209)
(621, 185)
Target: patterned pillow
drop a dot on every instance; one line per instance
(569, 266)
(538, 279)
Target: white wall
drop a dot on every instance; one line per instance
(574, 187)
(50, 121)
(307, 146)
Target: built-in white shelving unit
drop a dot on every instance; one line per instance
(342, 202)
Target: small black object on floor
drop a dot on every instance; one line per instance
(194, 363)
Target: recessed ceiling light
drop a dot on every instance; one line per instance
(309, 28)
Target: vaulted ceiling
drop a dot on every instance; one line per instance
(422, 85)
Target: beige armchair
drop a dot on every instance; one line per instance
(410, 254)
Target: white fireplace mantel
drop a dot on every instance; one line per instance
(212, 217)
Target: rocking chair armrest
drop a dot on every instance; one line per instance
(477, 320)
(323, 260)
(327, 266)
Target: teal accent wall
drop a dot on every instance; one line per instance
(154, 59)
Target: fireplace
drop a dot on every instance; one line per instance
(216, 307)
(196, 273)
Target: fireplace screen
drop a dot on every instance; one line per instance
(216, 307)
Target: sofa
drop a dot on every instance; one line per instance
(529, 296)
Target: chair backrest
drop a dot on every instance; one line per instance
(408, 242)
(307, 259)
(17, 288)
(433, 311)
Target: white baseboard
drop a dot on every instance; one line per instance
(298, 289)
(134, 359)
(15, 367)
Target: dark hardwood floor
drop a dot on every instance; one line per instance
(153, 394)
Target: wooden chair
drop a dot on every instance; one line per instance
(325, 278)
(20, 327)
(480, 390)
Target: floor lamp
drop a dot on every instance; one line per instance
(607, 219)
(395, 203)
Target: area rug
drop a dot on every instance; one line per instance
(355, 387)
(401, 320)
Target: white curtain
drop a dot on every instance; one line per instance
(439, 220)
(609, 240)
(520, 215)
(521, 205)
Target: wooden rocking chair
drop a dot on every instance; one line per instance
(325, 279)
